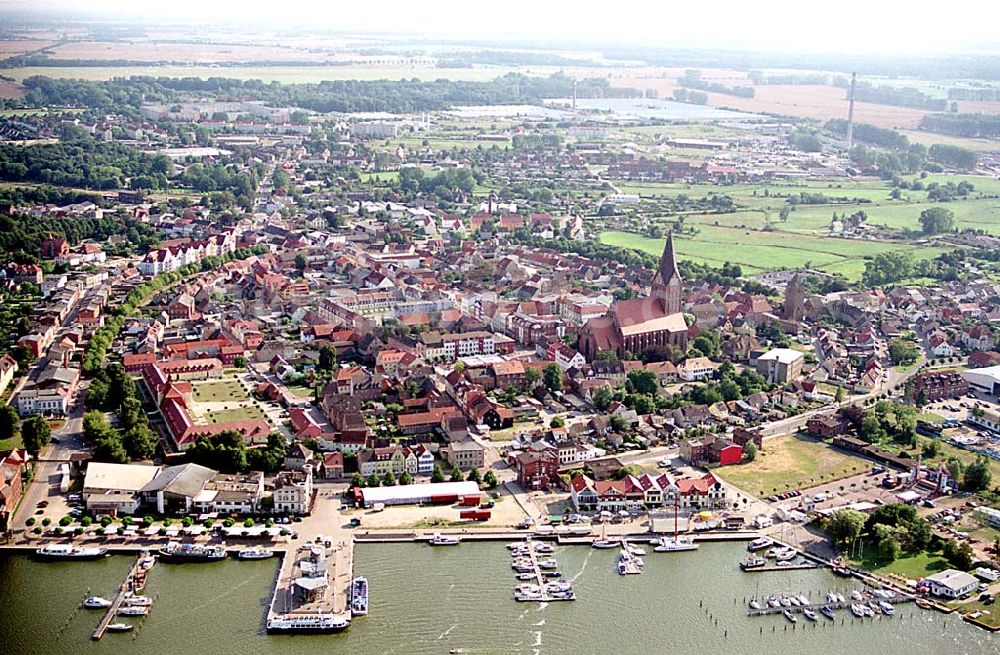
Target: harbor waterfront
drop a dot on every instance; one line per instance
(432, 600)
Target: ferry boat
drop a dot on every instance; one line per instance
(439, 539)
(68, 551)
(306, 623)
(119, 627)
(790, 616)
(753, 562)
(255, 552)
(96, 603)
(133, 610)
(359, 596)
(178, 552)
(827, 612)
(760, 544)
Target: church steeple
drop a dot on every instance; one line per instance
(667, 282)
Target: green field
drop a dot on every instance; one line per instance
(238, 414)
(788, 463)
(757, 251)
(218, 392)
(910, 566)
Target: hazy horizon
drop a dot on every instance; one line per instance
(849, 27)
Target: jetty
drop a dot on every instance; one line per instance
(544, 596)
(134, 581)
(896, 599)
(314, 580)
(790, 567)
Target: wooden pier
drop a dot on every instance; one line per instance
(126, 587)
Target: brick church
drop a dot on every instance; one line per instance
(641, 324)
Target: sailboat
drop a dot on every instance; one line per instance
(675, 543)
(604, 542)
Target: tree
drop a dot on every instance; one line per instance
(531, 377)
(956, 468)
(456, 475)
(373, 481)
(845, 525)
(36, 434)
(935, 220)
(240, 362)
(10, 424)
(552, 377)
(301, 262)
(887, 540)
(327, 358)
(903, 352)
(406, 478)
(644, 381)
(557, 422)
(978, 475)
(840, 394)
(389, 480)
(750, 452)
(618, 423)
(474, 476)
(357, 480)
(957, 554)
(437, 475)
(139, 442)
(602, 397)
(490, 479)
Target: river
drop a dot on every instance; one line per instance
(430, 600)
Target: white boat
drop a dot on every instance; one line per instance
(753, 562)
(760, 544)
(178, 552)
(548, 563)
(119, 627)
(133, 610)
(858, 611)
(555, 587)
(544, 549)
(831, 597)
(790, 616)
(526, 576)
(147, 562)
(828, 612)
(605, 543)
(671, 544)
(359, 596)
(794, 600)
(68, 551)
(803, 600)
(138, 601)
(785, 554)
(773, 602)
(841, 599)
(307, 623)
(638, 551)
(887, 607)
(754, 604)
(811, 615)
(439, 539)
(628, 564)
(785, 601)
(856, 595)
(96, 603)
(255, 552)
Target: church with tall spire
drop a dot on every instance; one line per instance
(651, 323)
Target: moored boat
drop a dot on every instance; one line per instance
(137, 601)
(68, 551)
(754, 604)
(359, 596)
(675, 543)
(811, 615)
(858, 611)
(119, 627)
(760, 544)
(96, 603)
(887, 608)
(307, 623)
(753, 562)
(178, 552)
(255, 552)
(133, 610)
(604, 543)
(439, 539)
(791, 617)
(827, 612)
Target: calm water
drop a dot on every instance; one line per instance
(427, 600)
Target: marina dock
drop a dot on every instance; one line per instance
(790, 567)
(544, 595)
(129, 585)
(795, 609)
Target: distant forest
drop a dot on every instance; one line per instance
(968, 125)
(394, 96)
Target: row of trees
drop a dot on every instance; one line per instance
(390, 480)
(965, 125)
(228, 452)
(104, 336)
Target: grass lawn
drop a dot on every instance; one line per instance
(791, 462)
(301, 392)
(989, 614)
(780, 249)
(10, 444)
(218, 392)
(911, 566)
(238, 414)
